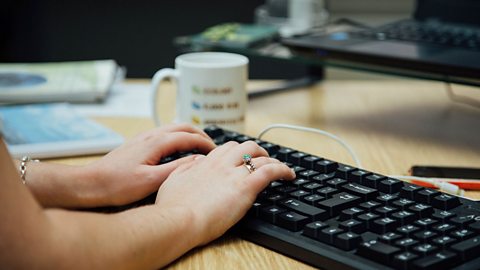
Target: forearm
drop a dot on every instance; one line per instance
(143, 238)
(58, 185)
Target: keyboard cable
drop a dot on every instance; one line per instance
(317, 131)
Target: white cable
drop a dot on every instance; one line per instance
(318, 131)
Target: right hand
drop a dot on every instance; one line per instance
(218, 189)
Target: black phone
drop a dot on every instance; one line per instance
(445, 172)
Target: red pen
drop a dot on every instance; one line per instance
(463, 184)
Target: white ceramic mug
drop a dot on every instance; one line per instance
(211, 89)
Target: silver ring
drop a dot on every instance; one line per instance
(247, 162)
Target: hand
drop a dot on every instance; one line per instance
(218, 188)
(130, 172)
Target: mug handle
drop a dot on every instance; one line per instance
(159, 76)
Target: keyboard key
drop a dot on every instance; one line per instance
(299, 194)
(270, 213)
(347, 241)
(350, 213)
(313, 213)
(365, 193)
(408, 230)
(299, 182)
(444, 241)
(243, 138)
(368, 219)
(443, 216)
(475, 226)
(370, 205)
(312, 229)
(421, 210)
(385, 211)
(425, 249)
(461, 234)
(230, 135)
(376, 249)
(312, 187)
(406, 243)
(323, 178)
(426, 223)
(285, 189)
(309, 162)
(327, 192)
(445, 202)
(283, 154)
(308, 174)
(353, 225)
(274, 198)
(312, 199)
(213, 131)
(425, 236)
(404, 217)
(467, 249)
(383, 225)
(271, 148)
(328, 234)
(389, 238)
(255, 209)
(403, 204)
(297, 169)
(403, 261)
(343, 171)
(339, 202)
(409, 191)
(390, 186)
(296, 158)
(426, 195)
(444, 228)
(325, 166)
(387, 199)
(373, 180)
(463, 221)
(437, 261)
(291, 221)
(336, 182)
(358, 176)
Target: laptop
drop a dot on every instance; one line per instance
(441, 41)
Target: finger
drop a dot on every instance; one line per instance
(161, 172)
(235, 156)
(260, 178)
(182, 141)
(183, 128)
(223, 149)
(259, 162)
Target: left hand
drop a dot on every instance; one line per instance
(131, 171)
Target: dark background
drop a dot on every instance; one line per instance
(137, 34)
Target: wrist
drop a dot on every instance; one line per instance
(58, 185)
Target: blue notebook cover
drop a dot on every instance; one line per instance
(53, 130)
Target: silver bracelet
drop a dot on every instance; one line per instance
(23, 167)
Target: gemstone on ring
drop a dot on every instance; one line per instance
(247, 161)
(247, 158)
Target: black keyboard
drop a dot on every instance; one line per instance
(336, 216)
(430, 32)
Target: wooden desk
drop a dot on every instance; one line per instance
(391, 125)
